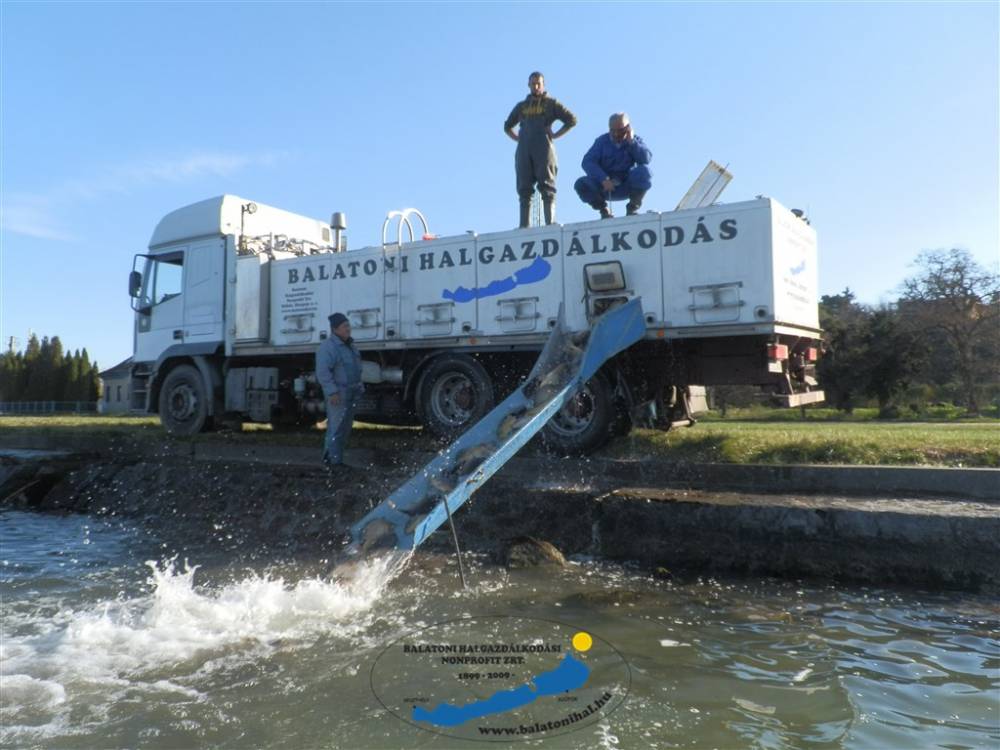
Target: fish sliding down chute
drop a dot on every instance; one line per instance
(415, 510)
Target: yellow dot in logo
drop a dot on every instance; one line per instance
(582, 641)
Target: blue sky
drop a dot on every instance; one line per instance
(880, 120)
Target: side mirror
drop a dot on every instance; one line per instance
(134, 283)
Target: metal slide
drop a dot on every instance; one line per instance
(415, 510)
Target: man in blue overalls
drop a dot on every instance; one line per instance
(338, 370)
(617, 167)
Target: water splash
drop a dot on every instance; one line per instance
(128, 642)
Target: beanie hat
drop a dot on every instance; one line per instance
(337, 320)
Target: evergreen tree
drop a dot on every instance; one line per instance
(893, 355)
(40, 373)
(31, 354)
(71, 390)
(90, 378)
(11, 364)
(44, 372)
(57, 371)
(841, 369)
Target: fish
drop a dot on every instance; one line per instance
(412, 524)
(572, 350)
(755, 707)
(541, 389)
(554, 376)
(470, 458)
(443, 482)
(544, 395)
(378, 534)
(529, 388)
(425, 506)
(507, 426)
(530, 414)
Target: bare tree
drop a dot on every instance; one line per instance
(955, 297)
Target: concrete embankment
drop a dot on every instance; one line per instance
(683, 519)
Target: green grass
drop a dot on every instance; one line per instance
(64, 424)
(757, 439)
(892, 443)
(75, 429)
(941, 413)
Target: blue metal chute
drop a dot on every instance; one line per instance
(414, 511)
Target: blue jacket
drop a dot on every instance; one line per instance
(338, 367)
(609, 159)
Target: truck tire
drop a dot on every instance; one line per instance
(183, 401)
(584, 424)
(455, 392)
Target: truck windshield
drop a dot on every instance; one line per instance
(162, 279)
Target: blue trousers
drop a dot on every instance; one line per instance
(590, 192)
(339, 421)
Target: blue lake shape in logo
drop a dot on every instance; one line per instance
(537, 271)
(796, 270)
(569, 675)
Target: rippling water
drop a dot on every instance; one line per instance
(101, 648)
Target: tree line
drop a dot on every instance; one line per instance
(939, 342)
(44, 372)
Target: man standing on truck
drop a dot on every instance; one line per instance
(535, 158)
(617, 167)
(338, 370)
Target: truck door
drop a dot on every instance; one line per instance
(159, 304)
(204, 268)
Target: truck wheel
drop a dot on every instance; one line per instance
(183, 402)
(455, 393)
(584, 424)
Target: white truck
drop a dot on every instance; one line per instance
(232, 298)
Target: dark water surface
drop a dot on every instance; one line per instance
(101, 648)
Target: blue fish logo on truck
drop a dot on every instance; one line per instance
(531, 274)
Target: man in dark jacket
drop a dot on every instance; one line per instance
(617, 168)
(338, 370)
(535, 158)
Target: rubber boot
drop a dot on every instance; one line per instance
(525, 213)
(634, 202)
(549, 210)
(602, 206)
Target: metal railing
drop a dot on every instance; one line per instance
(48, 407)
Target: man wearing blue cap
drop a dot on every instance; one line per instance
(338, 370)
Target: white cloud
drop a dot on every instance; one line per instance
(37, 214)
(31, 216)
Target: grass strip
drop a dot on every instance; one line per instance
(754, 441)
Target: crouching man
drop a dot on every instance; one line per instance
(617, 167)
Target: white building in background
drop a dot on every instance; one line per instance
(115, 389)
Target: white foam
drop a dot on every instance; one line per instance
(21, 691)
(118, 643)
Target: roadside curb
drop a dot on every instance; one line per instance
(965, 484)
(780, 520)
(978, 484)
